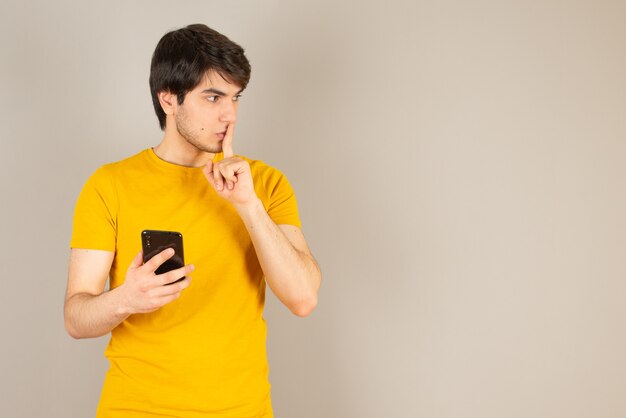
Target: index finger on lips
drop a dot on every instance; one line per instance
(227, 144)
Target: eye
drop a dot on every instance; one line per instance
(236, 98)
(213, 98)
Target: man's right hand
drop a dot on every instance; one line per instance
(90, 311)
(144, 291)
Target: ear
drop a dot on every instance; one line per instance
(168, 102)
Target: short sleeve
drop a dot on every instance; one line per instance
(95, 216)
(280, 199)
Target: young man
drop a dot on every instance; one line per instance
(193, 348)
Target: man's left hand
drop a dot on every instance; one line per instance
(231, 177)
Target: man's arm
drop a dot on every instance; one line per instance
(290, 270)
(92, 312)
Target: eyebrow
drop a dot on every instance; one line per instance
(218, 92)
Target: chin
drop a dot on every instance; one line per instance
(210, 149)
(214, 150)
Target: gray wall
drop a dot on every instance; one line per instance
(461, 173)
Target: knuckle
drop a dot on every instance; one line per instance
(154, 262)
(172, 276)
(165, 278)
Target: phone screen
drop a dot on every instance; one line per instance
(153, 242)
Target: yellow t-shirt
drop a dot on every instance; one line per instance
(204, 354)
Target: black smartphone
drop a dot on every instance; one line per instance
(153, 242)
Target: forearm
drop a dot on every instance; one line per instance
(89, 316)
(293, 275)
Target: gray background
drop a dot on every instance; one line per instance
(460, 168)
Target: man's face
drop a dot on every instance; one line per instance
(207, 111)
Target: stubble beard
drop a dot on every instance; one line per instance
(182, 126)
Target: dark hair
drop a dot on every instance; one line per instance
(184, 56)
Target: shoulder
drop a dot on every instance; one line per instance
(276, 193)
(111, 170)
(104, 181)
(260, 170)
(129, 163)
(269, 181)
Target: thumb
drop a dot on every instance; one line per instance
(208, 172)
(208, 168)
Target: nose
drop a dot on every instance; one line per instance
(228, 111)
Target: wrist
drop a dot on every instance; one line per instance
(250, 208)
(122, 309)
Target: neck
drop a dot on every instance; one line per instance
(174, 149)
